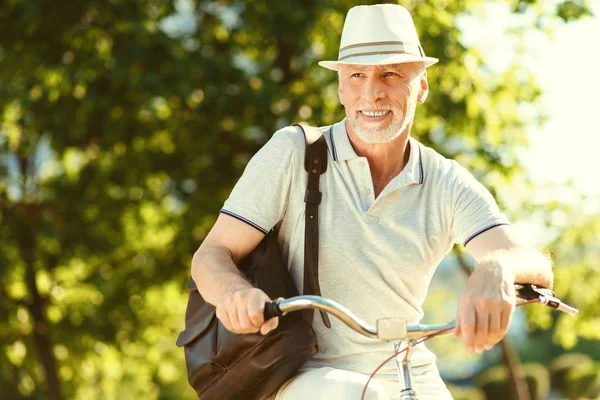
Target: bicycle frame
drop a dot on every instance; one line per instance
(397, 330)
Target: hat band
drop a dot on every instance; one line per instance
(375, 48)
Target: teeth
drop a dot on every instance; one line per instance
(375, 113)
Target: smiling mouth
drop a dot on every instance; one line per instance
(375, 114)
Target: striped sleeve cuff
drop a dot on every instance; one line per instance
(473, 236)
(239, 217)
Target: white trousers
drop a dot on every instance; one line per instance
(333, 384)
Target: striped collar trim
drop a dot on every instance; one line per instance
(414, 167)
(340, 143)
(342, 150)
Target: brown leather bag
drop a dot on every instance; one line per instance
(223, 365)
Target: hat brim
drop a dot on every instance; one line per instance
(379, 59)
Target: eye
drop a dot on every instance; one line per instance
(355, 75)
(390, 73)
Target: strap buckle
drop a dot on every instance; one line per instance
(312, 196)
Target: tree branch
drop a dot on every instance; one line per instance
(36, 308)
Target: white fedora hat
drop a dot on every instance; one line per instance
(377, 35)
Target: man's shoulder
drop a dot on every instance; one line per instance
(291, 138)
(442, 173)
(286, 136)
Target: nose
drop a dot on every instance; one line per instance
(373, 89)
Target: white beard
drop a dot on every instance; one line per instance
(374, 134)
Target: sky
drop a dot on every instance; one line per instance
(567, 68)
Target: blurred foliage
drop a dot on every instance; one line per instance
(576, 375)
(538, 380)
(124, 125)
(572, 375)
(576, 253)
(466, 393)
(562, 365)
(495, 382)
(583, 382)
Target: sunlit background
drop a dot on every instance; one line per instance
(562, 155)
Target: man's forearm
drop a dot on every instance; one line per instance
(527, 265)
(215, 273)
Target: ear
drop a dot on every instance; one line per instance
(424, 89)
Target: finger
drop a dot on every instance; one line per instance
(457, 325)
(233, 318)
(494, 332)
(269, 325)
(223, 316)
(467, 328)
(481, 329)
(256, 311)
(246, 325)
(505, 318)
(273, 323)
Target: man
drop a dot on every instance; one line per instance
(391, 209)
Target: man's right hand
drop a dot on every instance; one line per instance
(242, 312)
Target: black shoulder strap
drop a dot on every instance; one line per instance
(315, 164)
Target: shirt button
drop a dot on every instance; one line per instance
(367, 191)
(362, 163)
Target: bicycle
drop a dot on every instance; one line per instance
(397, 330)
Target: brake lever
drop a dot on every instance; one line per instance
(544, 296)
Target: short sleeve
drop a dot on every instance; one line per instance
(474, 209)
(260, 196)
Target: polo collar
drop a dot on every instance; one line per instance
(342, 150)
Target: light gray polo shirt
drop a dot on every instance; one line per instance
(376, 256)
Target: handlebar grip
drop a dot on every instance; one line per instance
(530, 292)
(272, 309)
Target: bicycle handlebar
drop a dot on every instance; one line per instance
(397, 328)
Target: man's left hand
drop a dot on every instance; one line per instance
(486, 306)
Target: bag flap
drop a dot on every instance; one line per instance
(195, 330)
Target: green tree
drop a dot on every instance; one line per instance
(576, 252)
(120, 139)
